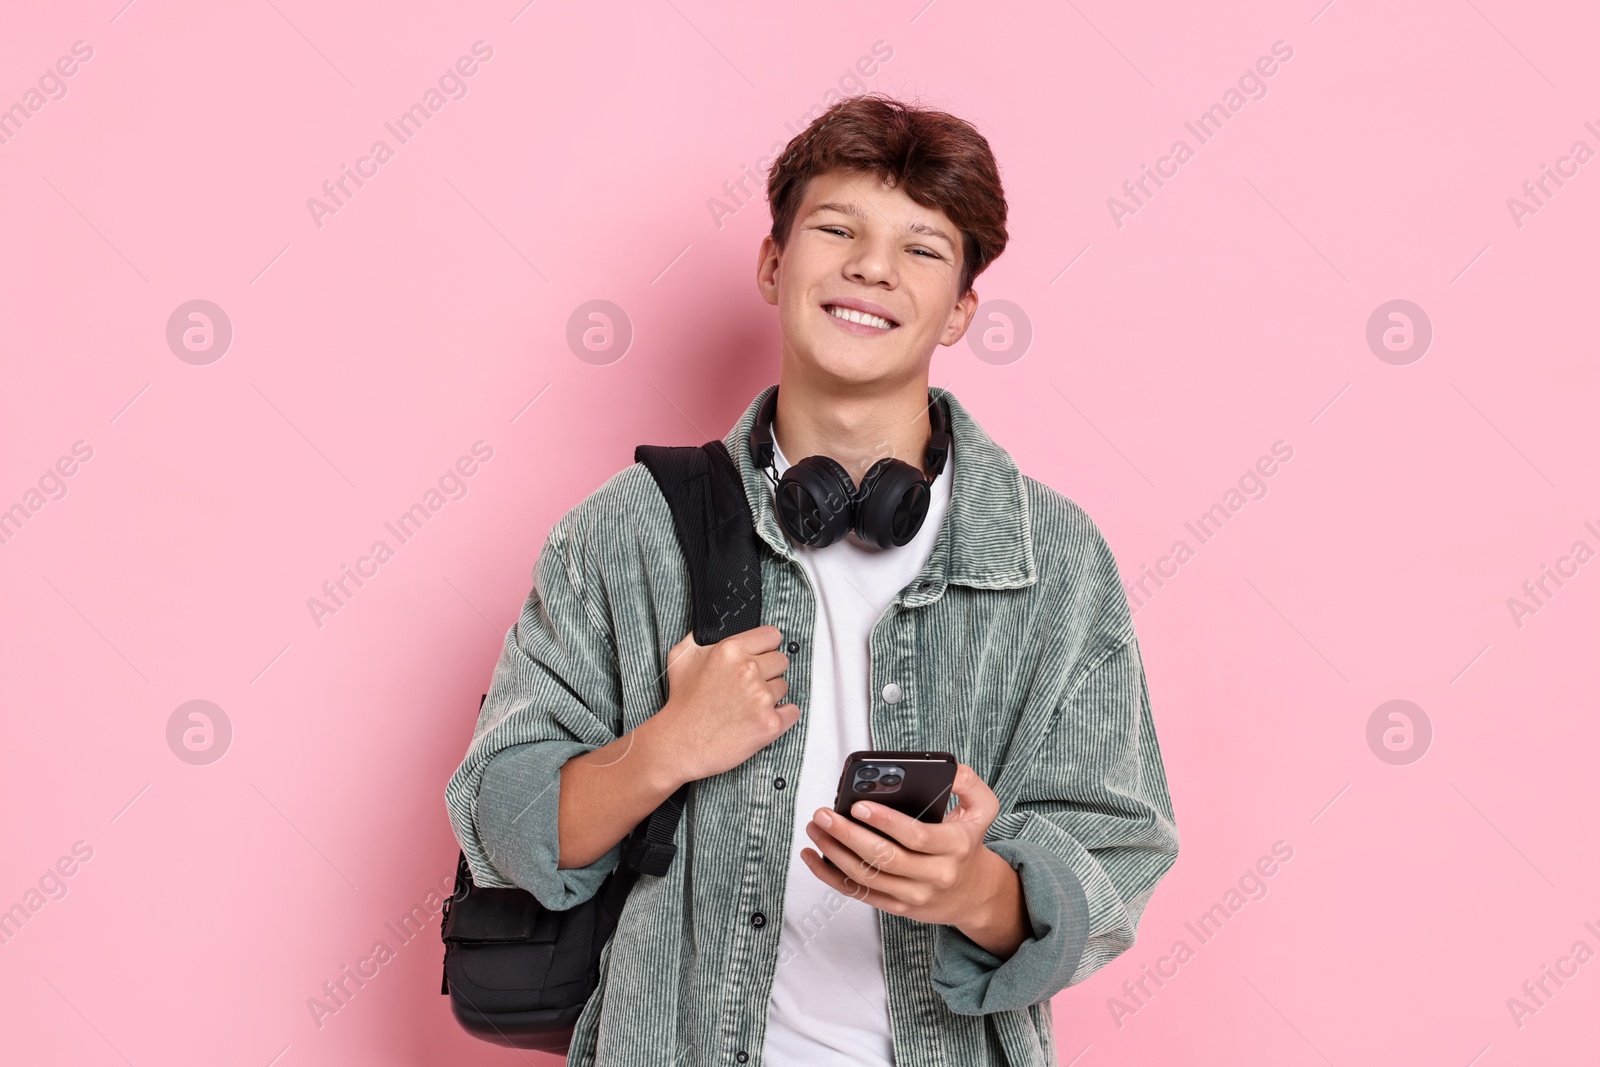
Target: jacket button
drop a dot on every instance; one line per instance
(892, 694)
(742, 1056)
(778, 782)
(925, 586)
(794, 646)
(758, 919)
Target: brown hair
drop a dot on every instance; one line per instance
(936, 159)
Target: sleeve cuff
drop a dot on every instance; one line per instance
(974, 981)
(517, 816)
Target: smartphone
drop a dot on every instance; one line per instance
(914, 783)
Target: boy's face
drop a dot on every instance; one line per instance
(859, 245)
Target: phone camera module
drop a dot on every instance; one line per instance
(867, 771)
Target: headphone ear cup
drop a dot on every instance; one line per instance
(816, 501)
(891, 504)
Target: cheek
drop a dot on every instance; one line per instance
(810, 259)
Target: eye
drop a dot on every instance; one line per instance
(931, 254)
(840, 230)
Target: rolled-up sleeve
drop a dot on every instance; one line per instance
(555, 694)
(1091, 834)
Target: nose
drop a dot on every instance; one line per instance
(871, 262)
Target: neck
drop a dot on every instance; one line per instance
(857, 427)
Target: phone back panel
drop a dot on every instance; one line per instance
(922, 792)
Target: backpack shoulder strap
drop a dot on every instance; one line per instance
(712, 518)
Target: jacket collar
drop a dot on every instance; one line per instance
(986, 540)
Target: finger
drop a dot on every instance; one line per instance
(914, 834)
(779, 688)
(852, 865)
(772, 663)
(977, 799)
(887, 853)
(788, 715)
(830, 875)
(846, 886)
(760, 639)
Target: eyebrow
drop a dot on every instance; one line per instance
(855, 212)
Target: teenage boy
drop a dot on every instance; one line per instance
(944, 602)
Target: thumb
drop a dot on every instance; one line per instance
(684, 647)
(977, 799)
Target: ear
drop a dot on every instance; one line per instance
(767, 261)
(955, 327)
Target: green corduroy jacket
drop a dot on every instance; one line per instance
(1014, 649)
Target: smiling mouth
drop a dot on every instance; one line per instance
(861, 318)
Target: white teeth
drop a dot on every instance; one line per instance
(861, 317)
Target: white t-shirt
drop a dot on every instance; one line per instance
(829, 1002)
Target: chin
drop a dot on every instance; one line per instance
(845, 368)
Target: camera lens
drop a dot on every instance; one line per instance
(868, 772)
(865, 787)
(889, 779)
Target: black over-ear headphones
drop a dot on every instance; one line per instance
(818, 503)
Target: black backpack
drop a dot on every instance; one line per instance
(517, 973)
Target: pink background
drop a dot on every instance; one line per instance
(1228, 313)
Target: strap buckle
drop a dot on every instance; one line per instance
(650, 857)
